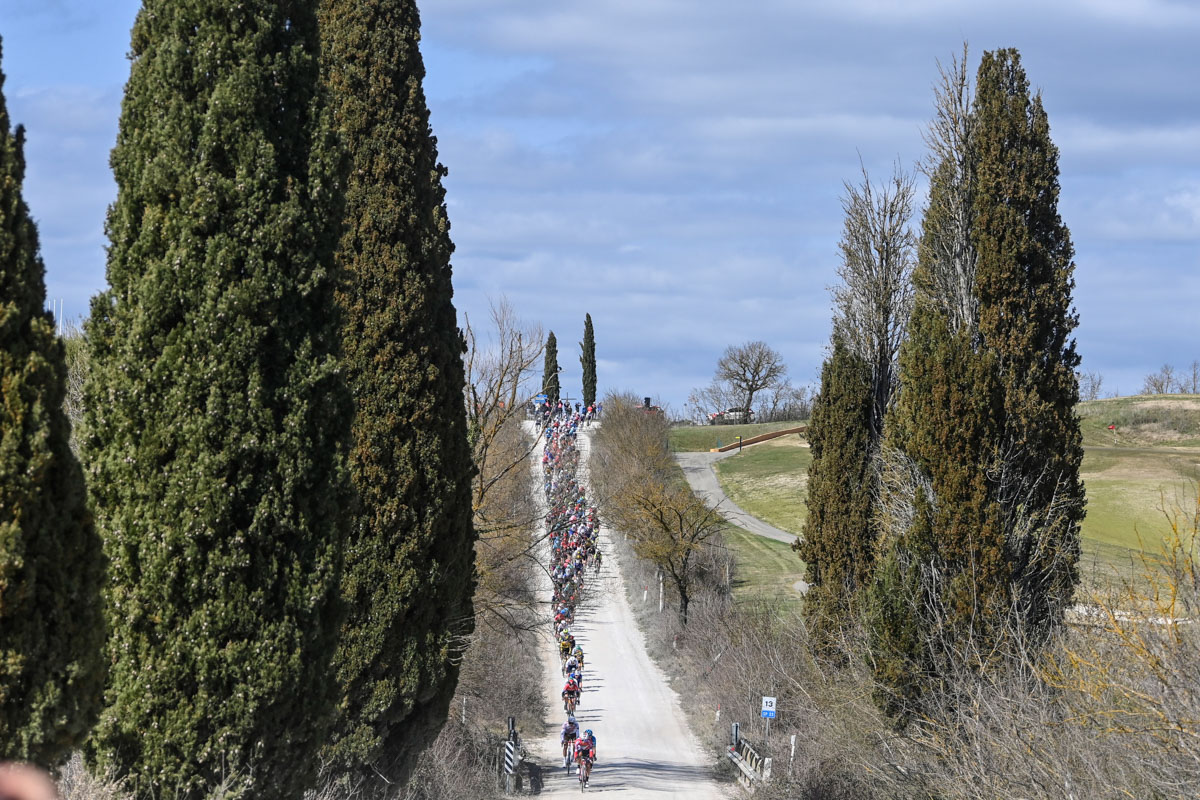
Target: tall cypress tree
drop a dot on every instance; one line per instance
(550, 383)
(985, 415)
(587, 359)
(838, 542)
(216, 417)
(51, 562)
(408, 578)
(1024, 279)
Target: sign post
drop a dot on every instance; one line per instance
(768, 712)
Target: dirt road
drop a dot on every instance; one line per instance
(698, 469)
(644, 747)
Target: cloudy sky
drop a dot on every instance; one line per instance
(675, 167)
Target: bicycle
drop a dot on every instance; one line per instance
(584, 771)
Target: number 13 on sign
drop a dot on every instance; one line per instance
(768, 707)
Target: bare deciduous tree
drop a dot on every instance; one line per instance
(946, 246)
(714, 398)
(749, 369)
(500, 381)
(873, 302)
(784, 402)
(499, 378)
(642, 494)
(1090, 384)
(1161, 382)
(1189, 382)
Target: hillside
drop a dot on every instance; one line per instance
(1150, 421)
(1150, 461)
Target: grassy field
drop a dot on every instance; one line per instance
(1150, 462)
(768, 481)
(690, 438)
(1153, 421)
(766, 569)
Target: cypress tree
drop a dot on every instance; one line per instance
(984, 422)
(51, 562)
(838, 542)
(216, 418)
(587, 360)
(408, 576)
(1024, 279)
(946, 575)
(550, 383)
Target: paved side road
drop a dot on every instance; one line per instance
(644, 747)
(698, 467)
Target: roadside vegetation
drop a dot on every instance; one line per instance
(947, 647)
(1105, 708)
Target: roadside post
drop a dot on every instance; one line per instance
(511, 758)
(768, 712)
(739, 444)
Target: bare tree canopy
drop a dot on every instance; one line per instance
(948, 251)
(873, 302)
(749, 369)
(1090, 384)
(1161, 382)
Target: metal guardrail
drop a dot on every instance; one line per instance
(753, 769)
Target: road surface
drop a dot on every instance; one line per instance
(698, 468)
(644, 748)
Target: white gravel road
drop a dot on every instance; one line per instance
(644, 747)
(698, 469)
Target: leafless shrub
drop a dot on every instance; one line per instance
(76, 783)
(1090, 384)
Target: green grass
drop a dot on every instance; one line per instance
(768, 481)
(690, 438)
(766, 569)
(1126, 490)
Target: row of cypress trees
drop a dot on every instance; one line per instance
(960, 528)
(587, 359)
(274, 437)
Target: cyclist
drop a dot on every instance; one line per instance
(578, 678)
(570, 694)
(577, 654)
(572, 665)
(570, 732)
(585, 755)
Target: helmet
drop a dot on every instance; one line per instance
(571, 718)
(588, 732)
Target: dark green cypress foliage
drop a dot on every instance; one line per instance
(51, 562)
(587, 359)
(216, 417)
(949, 566)
(1024, 280)
(838, 542)
(408, 578)
(550, 383)
(985, 414)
